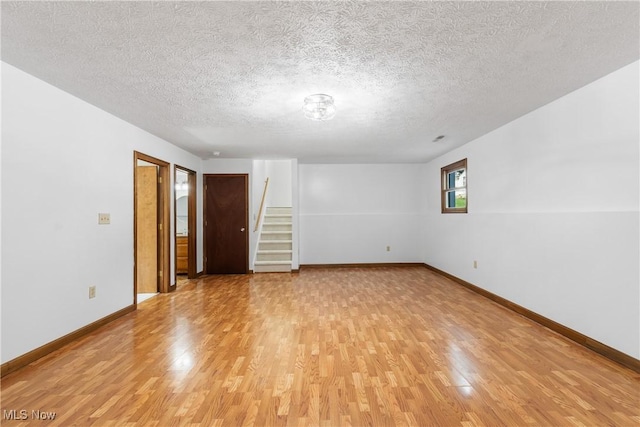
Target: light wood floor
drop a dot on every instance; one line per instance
(329, 347)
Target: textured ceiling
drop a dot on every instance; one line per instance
(232, 76)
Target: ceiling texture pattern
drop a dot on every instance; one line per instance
(232, 76)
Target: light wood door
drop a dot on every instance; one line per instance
(147, 228)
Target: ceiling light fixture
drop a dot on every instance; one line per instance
(319, 107)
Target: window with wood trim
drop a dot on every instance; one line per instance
(454, 187)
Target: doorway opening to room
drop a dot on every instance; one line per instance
(150, 227)
(185, 223)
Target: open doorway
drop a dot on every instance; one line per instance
(185, 223)
(151, 235)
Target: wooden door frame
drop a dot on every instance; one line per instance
(192, 257)
(204, 215)
(163, 226)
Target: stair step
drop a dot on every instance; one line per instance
(272, 263)
(275, 235)
(274, 255)
(278, 210)
(275, 245)
(277, 219)
(272, 268)
(276, 226)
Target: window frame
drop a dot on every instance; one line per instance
(444, 186)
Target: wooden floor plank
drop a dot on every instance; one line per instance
(387, 346)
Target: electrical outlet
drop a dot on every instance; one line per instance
(92, 292)
(104, 218)
(475, 264)
(388, 248)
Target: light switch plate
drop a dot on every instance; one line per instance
(104, 218)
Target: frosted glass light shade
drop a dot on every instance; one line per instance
(319, 107)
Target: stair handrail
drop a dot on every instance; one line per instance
(264, 196)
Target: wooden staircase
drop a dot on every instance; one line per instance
(275, 245)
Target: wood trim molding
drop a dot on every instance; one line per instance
(192, 263)
(590, 343)
(22, 361)
(164, 196)
(362, 265)
(165, 215)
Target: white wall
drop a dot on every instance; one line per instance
(351, 213)
(553, 212)
(295, 212)
(63, 162)
(258, 177)
(279, 173)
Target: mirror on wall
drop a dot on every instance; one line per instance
(182, 221)
(182, 205)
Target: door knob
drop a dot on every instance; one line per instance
(242, 229)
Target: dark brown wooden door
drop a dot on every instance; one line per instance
(226, 230)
